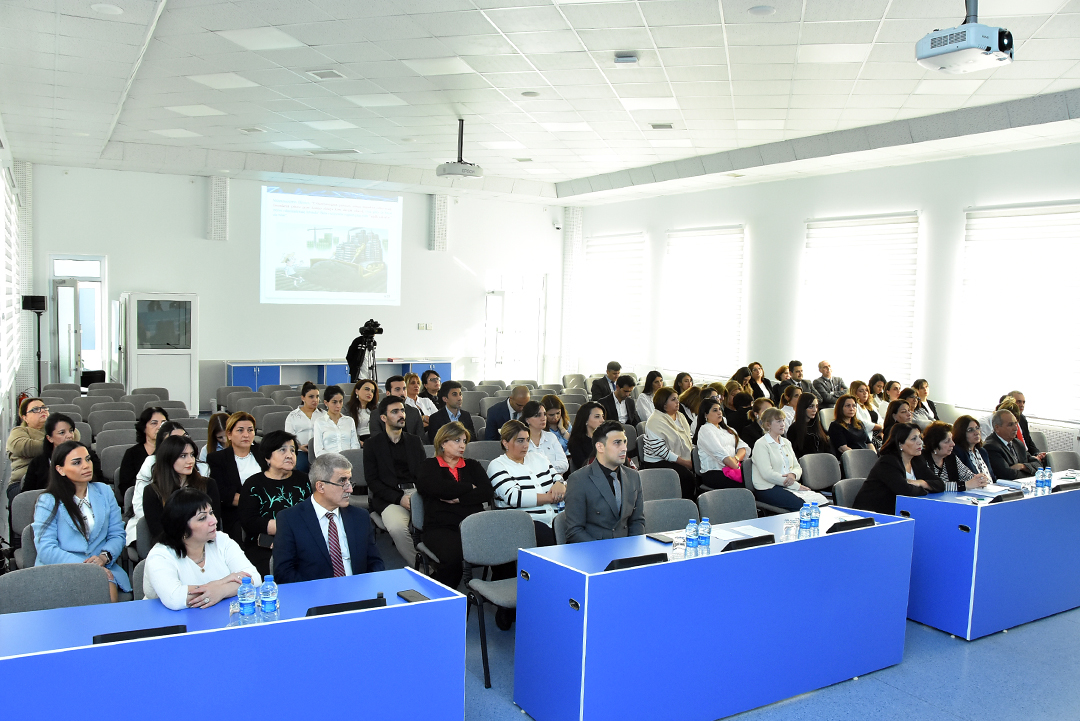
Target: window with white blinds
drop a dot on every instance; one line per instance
(1018, 305)
(10, 298)
(613, 279)
(857, 300)
(703, 347)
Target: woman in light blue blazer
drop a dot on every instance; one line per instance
(78, 521)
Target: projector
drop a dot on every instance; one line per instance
(965, 49)
(460, 168)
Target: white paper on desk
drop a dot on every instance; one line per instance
(751, 531)
(1014, 485)
(839, 514)
(721, 534)
(992, 490)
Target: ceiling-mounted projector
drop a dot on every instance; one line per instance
(967, 48)
(460, 167)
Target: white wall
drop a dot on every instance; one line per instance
(152, 229)
(775, 215)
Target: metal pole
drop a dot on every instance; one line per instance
(461, 136)
(972, 12)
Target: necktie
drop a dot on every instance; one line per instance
(335, 547)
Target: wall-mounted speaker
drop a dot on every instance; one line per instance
(37, 303)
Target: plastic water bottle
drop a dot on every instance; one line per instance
(246, 596)
(804, 521)
(704, 536)
(815, 519)
(268, 596)
(1048, 478)
(691, 538)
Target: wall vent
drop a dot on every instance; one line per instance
(217, 217)
(437, 233)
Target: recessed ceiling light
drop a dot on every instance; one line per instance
(530, 94)
(295, 144)
(650, 103)
(625, 58)
(194, 111)
(566, 127)
(252, 130)
(379, 100)
(660, 126)
(223, 81)
(834, 53)
(523, 160)
(176, 133)
(325, 74)
(541, 171)
(762, 10)
(261, 39)
(502, 145)
(438, 66)
(329, 124)
(106, 9)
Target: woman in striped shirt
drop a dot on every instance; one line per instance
(526, 480)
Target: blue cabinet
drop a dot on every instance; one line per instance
(253, 376)
(242, 376)
(335, 374)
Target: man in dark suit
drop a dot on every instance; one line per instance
(1021, 403)
(795, 368)
(414, 422)
(606, 386)
(604, 499)
(1009, 458)
(391, 463)
(325, 537)
(450, 403)
(500, 413)
(618, 406)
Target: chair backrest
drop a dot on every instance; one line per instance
(479, 425)
(113, 393)
(22, 511)
(1037, 437)
(61, 386)
(161, 392)
(68, 409)
(85, 432)
(844, 492)
(139, 400)
(52, 401)
(946, 412)
(233, 399)
(552, 388)
(196, 429)
(532, 384)
(129, 509)
(465, 385)
(573, 380)
(115, 437)
(27, 555)
(273, 422)
(631, 439)
(1063, 461)
(67, 394)
(268, 389)
(294, 400)
(103, 384)
(85, 403)
(487, 390)
(819, 470)
(355, 456)
(484, 450)
(114, 406)
(429, 450)
(490, 538)
(416, 510)
(572, 408)
(118, 426)
(486, 403)
(571, 395)
(58, 585)
(248, 405)
(280, 396)
(503, 393)
(137, 581)
(726, 505)
(695, 461)
(857, 462)
(98, 419)
(111, 456)
(166, 404)
(668, 514)
(826, 415)
(659, 483)
(500, 384)
(470, 401)
(260, 412)
(143, 542)
(221, 397)
(559, 526)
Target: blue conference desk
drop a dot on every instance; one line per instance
(702, 638)
(981, 569)
(346, 665)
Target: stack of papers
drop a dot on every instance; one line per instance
(989, 491)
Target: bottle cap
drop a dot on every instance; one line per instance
(247, 579)
(268, 579)
(704, 518)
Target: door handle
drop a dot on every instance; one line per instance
(575, 605)
(905, 514)
(965, 529)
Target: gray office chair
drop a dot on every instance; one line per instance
(500, 384)
(138, 401)
(503, 393)
(826, 416)
(821, 471)
(486, 390)
(492, 538)
(280, 396)
(659, 483)
(143, 541)
(559, 526)
(260, 412)
(118, 426)
(221, 396)
(248, 405)
(669, 514)
(111, 456)
(161, 392)
(573, 380)
(86, 434)
(947, 412)
(85, 403)
(429, 450)
(486, 403)
(1063, 461)
(359, 497)
(423, 553)
(1037, 437)
(233, 399)
(61, 386)
(22, 511)
(470, 401)
(27, 554)
(137, 581)
(103, 393)
(857, 462)
(51, 401)
(196, 429)
(67, 394)
(269, 390)
(480, 427)
(631, 439)
(273, 422)
(748, 482)
(117, 437)
(166, 404)
(465, 385)
(726, 505)
(112, 385)
(68, 409)
(60, 585)
(113, 406)
(294, 400)
(845, 491)
(484, 450)
(533, 385)
(572, 409)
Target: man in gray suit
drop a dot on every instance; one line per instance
(603, 499)
(1009, 458)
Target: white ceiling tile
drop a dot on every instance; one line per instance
(624, 76)
(693, 56)
(555, 41)
(420, 48)
(603, 15)
(446, 24)
(469, 45)
(527, 19)
(833, 53)
(701, 36)
(617, 39)
(354, 52)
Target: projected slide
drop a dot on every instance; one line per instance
(329, 246)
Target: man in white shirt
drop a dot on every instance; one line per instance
(618, 405)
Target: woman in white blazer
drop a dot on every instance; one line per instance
(777, 470)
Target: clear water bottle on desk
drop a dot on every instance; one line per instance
(691, 538)
(804, 521)
(246, 596)
(1048, 479)
(704, 536)
(815, 519)
(268, 599)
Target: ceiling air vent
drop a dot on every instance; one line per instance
(348, 151)
(661, 126)
(325, 74)
(252, 130)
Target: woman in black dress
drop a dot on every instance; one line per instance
(268, 493)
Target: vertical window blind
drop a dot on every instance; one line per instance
(705, 326)
(614, 278)
(10, 298)
(858, 297)
(1018, 303)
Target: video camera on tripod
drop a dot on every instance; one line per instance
(361, 354)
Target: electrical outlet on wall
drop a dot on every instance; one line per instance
(423, 326)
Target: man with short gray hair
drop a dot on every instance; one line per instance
(1009, 459)
(325, 537)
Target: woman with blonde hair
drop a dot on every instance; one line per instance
(667, 442)
(866, 411)
(776, 469)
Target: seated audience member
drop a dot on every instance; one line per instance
(689, 400)
(667, 442)
(654, 381)
(890, 394)
(216, 437)
(449, 411)
(145, 477)
(789, 400)
(301, 420)
(500, 413)
(557, 421)
(777, 470)
(866, 412)
(846, 432)
(877, 388)
(782, 375)
(392, 461)
(588, 419)
(925, 407)
(432, 384)
(364, 402)
(708, 392)
(190, 552)
(1009, 457)
(736, 415)
(231, 468)
(325, 537)
(604, 499)
(25, 441)
(1024, 433)
(604, 386)
(334, 431)
(897, 472)
(898, 411)
(88, 528)
(969, 464)
(175, 467)
(413, 398)
(620, 406)
(938, 447)
(911, 397)
(146, 429)
(806, 432)
(58, 429)
(828, 387)
(752, 431)
(395, 386)
(742, 377)
(720, 450)
(760, 386)
(541, 441)
(683, 382)
(795, 369)
(267, 494)
(453, 488)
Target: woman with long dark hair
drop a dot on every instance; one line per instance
(588, 419)
(720, 450)
(363, 401)
(301, 421)
(216, 436)
(146, 430)
(898, 472)
(760, 386)
(77, 520)
(174, 468)
(806, 432)
(654, 381)
(683, 382)
(846, 432)
(59, 429)
(899, 411)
